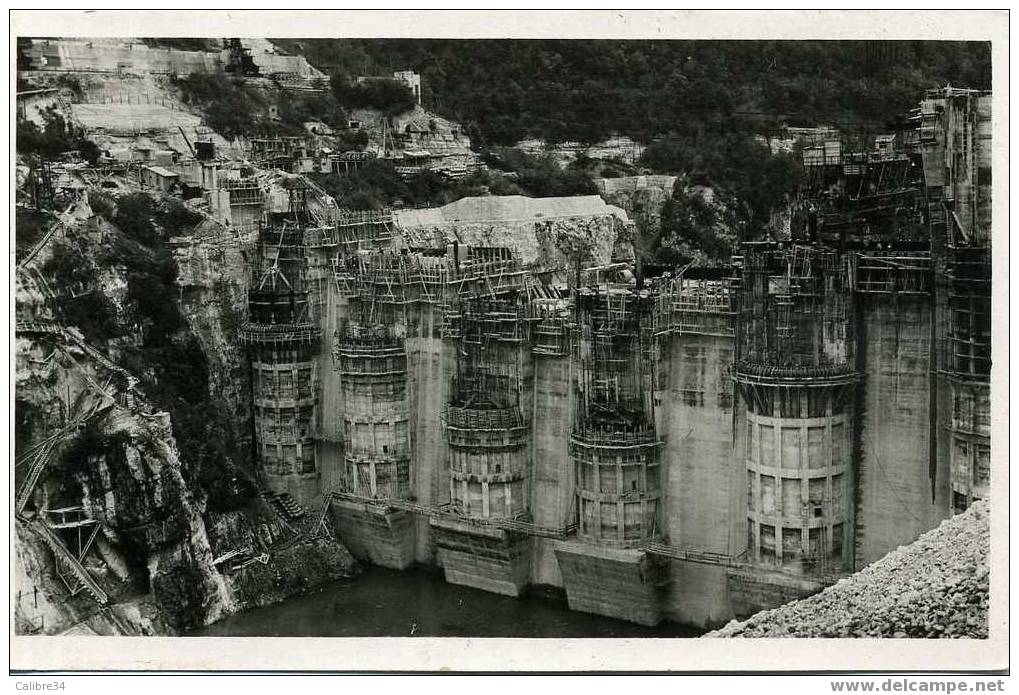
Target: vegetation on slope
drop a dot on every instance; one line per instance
(229, 109)
(87, 308)
(53, 139)
(170, 358)
(585, 90)
(183, 44)
(699, 105)
(386, 95)
(753, 182)
(376, 184)
(232, 107)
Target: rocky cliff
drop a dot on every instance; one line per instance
(139, 510)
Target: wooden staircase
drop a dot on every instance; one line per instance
(65, 558)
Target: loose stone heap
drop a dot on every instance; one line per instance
(935, 587)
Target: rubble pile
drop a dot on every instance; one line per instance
(934, 587)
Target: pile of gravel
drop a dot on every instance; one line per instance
(934, 587)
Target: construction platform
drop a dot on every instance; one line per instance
(375, 534)
(487, 558)
(754, 589)
(618, 583)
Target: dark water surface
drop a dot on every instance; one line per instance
(387, 603)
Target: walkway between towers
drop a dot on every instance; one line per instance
(703, 557)
(446, 512)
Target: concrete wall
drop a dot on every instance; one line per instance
(703, 481)
(430, 365)
(330, 410)
(110, 56)
(552, 484)
(113, 55)
(484, 558)
(372, 535)
(894, 485)
(624, 584)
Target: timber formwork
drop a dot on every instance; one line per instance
(243, 192)
(551, 324)
(697, 301)
(282, 341)
(354, 230)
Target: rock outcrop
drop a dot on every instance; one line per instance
(124, 527)
(548, 232)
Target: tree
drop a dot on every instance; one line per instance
(54, 139)
(383, 94)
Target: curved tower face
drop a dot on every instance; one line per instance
(370, 355)
(616, 455)
(489, 440)
(795, 373)
(488, 461)
(283, 375)
(614, 445)
(373, 365)
(617, 486)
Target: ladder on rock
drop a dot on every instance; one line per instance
(42, 454)
(317, 521)
(40, 245)
(42, 459)
(55, 329)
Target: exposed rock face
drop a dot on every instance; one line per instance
(152, 550)
(289, 567)
(162, 531)
(211, 273)
(549, 232)
(642, 197)
(935, 587)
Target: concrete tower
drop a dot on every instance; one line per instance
(372, 362)
(489, 440)
(795, 373)
(616, 453)
(282, 341)
(955, 141)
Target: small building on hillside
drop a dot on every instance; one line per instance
(159, 178)
(412, 80)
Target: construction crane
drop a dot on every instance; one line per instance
(239, 61)
(186, 141)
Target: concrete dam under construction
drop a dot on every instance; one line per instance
(497, 388)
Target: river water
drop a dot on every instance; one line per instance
(387, 603)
